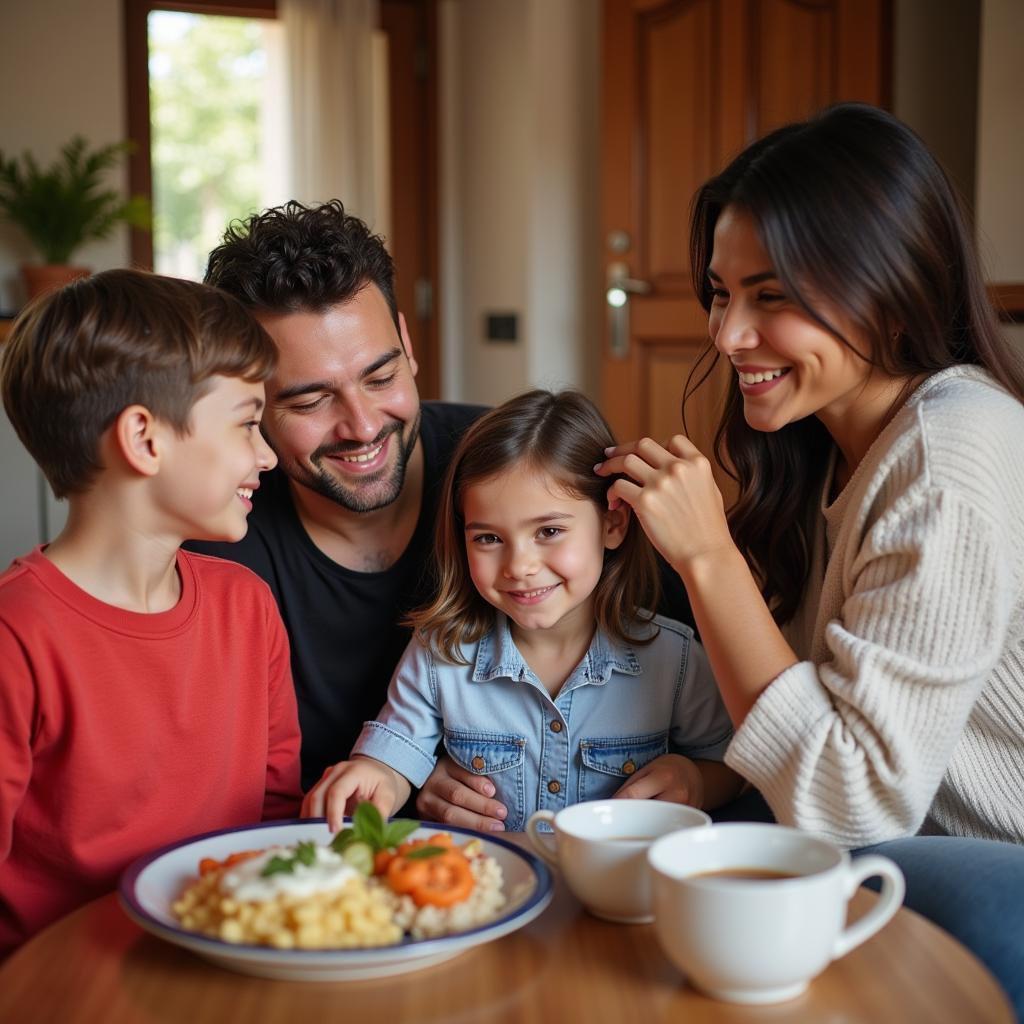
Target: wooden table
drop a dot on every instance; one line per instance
(96, 967)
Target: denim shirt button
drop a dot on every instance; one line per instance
(554, 786)
(629, 767)
(478, 763)
(556, 726)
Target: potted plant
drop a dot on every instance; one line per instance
(65, 205)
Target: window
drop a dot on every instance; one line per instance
(409, 91)
(217, 130)
(205, 113)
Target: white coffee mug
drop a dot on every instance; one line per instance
(602, 851)
(752, 912)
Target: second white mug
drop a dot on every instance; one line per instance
(751, 912)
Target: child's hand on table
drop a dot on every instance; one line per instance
(670, 777)
(348, 783)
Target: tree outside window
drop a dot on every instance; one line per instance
(216, 113)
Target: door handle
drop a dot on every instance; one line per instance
(620, 287)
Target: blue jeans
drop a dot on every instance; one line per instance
(972, 888)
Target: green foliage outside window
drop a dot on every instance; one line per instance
(206, 94)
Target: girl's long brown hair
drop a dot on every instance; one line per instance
(849, 205)
(562, 434)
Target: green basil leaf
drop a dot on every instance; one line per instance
(369, 825)
(423, 852)
(278, 866)
(398, 830)
(305, 853)
(343, 839)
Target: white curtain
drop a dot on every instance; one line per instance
(333, 102)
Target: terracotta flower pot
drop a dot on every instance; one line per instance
(47, 277)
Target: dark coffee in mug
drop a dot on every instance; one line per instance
(748, 874)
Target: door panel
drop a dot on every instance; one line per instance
(687, 84)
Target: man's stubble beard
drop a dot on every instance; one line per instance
(365, 498)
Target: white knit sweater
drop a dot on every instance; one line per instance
(908, 712)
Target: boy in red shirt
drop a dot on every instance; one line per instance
(145, 692)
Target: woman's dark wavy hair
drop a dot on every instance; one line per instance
(558, 433)
(850, 205)
(297, 258)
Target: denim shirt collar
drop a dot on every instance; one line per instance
(498, 657)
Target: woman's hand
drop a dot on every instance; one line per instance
(454, 796)
(344, 785)
(673, 493)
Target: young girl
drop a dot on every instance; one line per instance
(536, 664)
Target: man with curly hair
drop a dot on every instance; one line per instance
(342, 528)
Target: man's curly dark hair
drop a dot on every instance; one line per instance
(295, 258)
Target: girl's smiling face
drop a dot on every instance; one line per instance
(788, 365)
(535, 551)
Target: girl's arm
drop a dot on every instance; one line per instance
(673, 494)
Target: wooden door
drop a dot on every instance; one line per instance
(687, 84)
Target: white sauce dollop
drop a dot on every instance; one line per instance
(244, 882)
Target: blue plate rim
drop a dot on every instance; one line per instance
(129, 877)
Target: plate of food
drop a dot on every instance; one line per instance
(291, 900)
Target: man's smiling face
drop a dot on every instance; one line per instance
(343, 412)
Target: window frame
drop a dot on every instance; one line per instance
(136, 29)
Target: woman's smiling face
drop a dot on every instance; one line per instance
(788, 365)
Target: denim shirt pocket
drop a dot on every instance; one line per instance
(499, 756)
(608, 762)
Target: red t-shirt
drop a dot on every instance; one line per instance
(122, 731)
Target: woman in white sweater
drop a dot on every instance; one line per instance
(862, 603)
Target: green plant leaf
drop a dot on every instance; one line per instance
(369, 825)
(344, 838)
(423, 852)
(64, 205)
(305, 853)
(398, 830)
(278, 866)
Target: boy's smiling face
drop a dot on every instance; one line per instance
(207, 477)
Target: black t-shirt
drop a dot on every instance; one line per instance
(342, 624)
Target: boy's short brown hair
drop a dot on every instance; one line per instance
(80, 356)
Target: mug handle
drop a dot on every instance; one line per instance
(539, 844)
(889, 901)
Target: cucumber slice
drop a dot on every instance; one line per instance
(359, 855)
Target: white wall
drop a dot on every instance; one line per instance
(1000, 171)
(520, 200)
(61, 73)
(935, 80)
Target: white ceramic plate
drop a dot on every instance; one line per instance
(152, 883)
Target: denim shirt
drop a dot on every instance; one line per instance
(621, 707)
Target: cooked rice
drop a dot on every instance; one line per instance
(365, 912)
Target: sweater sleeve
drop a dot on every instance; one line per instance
(854, 748)
(18, 706)
(283, 793)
